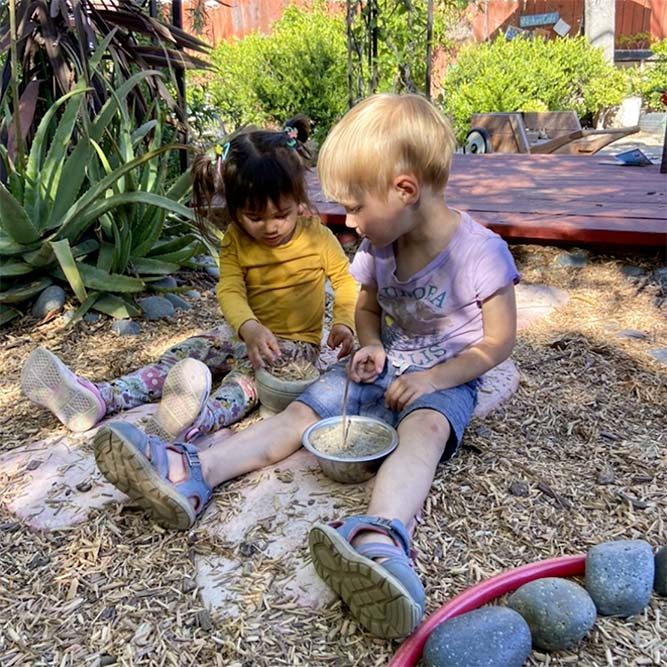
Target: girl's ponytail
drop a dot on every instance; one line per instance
(298, 129)
(207, 191)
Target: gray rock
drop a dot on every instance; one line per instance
(92, 317)
(457, 642)
(660, 581)
(193, 294)
(213, 271)
(203, 260)
(633, 271)
(631, 333)
(178, 302)
(659, 353)
(619, 576)
(168, 282)
(519, 488)
(125, 328)
(50, 300)
(156, 307)
(559, 612)
(572, 259)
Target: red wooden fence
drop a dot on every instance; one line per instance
(637, 21)
(633, 17)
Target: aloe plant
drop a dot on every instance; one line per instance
(75, 216)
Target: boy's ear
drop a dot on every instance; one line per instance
(408, 188)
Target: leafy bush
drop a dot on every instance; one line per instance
(654, 78)
(530, 75)
(299, 68)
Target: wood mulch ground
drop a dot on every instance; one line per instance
(575, 458)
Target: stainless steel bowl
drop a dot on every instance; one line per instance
(344, 468)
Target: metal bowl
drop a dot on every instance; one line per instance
(275, 394)
(345, 468)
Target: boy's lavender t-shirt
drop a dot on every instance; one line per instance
(436, 313)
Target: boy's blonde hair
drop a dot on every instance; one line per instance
(380, 138)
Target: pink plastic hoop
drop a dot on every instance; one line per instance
(411, 650)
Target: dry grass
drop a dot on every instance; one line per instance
(576, 458)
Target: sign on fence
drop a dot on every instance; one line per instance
(532, 20)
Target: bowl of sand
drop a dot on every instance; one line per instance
(354, 456)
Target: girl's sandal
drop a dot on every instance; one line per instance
(137, 464)
(386, 597)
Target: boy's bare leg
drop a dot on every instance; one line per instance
(264, 443)
(405, 478)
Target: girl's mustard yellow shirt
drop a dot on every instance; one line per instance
(283, 287)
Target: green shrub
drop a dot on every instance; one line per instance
(654, 78)
(530, 75)
(299, 68)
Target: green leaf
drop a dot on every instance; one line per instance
(65, 258)
(22, 293)
(14, 220)
(153, 266)
(8, 314)
(77, 220)
(14, 268)
(105, 256)
(35, 158)
(10, 247)
(117, 307)
(91, 205)
(103, 281)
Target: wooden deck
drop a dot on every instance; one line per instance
(552, 199)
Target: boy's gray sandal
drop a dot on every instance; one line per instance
(387, 598)
(137, 464)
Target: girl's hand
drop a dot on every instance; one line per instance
(367, 363)
(341, 335)
(261, 344)
(407, 388)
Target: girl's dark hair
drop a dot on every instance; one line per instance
(257, 167)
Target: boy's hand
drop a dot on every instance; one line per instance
(341, 335)
(367, 363)
(260, 342)
(407, 388)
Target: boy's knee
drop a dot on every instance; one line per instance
(433, 427)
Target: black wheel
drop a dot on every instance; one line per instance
(477, 141)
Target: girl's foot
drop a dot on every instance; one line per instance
(75, 401)
(184, 395)
(137, 464)
(385, 597)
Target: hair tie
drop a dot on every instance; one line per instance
(292, 135)
(221, 153)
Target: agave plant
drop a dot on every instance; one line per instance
(73, 215)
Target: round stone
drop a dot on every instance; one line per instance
(125, 328)
(456, 642)
(52, 299)
(156, 307)
(575, 260)
(179, 303)
(168, 282)
(660, 581)
(619, 576)
(559, 612)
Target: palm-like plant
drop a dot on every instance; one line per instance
(54, 42)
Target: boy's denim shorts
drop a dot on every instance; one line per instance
(325, 397)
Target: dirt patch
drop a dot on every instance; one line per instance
(576, 457)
